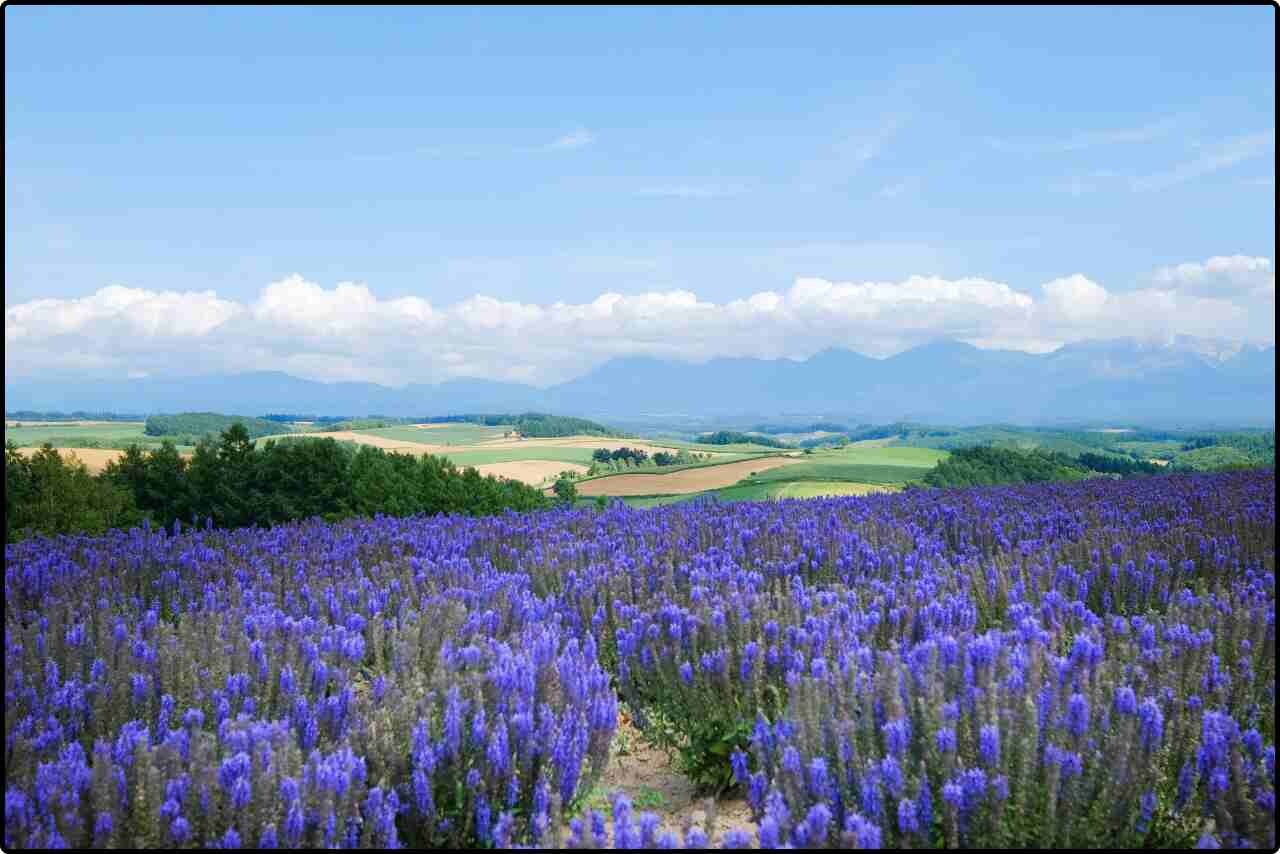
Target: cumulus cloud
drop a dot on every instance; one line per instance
(1221, 276)
(1075, 298)
(346, 332)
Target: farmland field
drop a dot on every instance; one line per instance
(859, 469)
(879, 452)
(67, 435)
(480, 457)
(696, 479)
(821, 489)
(532, 472)
(1062, 665)
(439, 434)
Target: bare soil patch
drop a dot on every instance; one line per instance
(532, 472)
(681, 482)
(652, 783)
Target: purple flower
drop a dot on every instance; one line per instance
(1077, 715)
(989, 745)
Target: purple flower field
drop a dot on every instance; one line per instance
(1062, 665)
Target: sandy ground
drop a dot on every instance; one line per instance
(649, 780)
(680, 482)
(95, 459)
(532, 472)
(430, 426)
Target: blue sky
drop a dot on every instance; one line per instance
(543, 156)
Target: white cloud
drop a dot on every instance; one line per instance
(1075, 298)
(1221, 276)
(347, 332)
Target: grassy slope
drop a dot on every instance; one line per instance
(106, 436)
(65, 435)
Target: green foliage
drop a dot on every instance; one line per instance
(235, 484)
(206, 424)
(566, 492)
(1113, 464)
(730, 437)
(45, 494)
(1218, 457)
(987, 465)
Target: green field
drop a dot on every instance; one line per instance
(738, 448)
(842, 471)
(581, 456)
(818, 489)
(76, 436)
(1166, 450)
(858, 469)
(445, 434)
(874, 452)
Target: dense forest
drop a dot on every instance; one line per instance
(200, 424)
(988, 465)
(234, 483)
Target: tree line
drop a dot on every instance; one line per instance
(199, 424)
(987, 464)
(231, 482)
(732, 437)
(537, 425)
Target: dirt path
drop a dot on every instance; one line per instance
(680, 482)
(649, 780)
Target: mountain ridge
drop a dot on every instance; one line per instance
(941, 380)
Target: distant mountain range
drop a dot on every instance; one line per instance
(941, 382)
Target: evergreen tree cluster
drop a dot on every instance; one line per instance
(234, 484)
